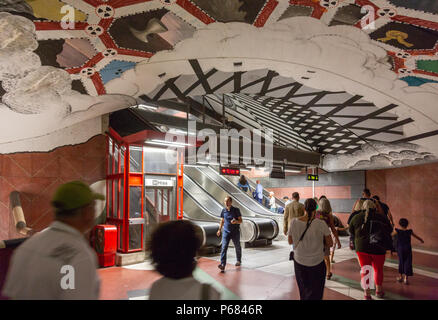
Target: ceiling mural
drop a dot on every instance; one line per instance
(370, 68)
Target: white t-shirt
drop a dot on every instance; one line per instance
(272, 202)
(35, 269)
(180, 289)
(310, 250)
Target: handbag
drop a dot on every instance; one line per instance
(291, 254)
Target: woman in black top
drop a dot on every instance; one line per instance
(363, 227)
(357, 208)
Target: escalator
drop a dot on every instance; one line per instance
(267, 222)
(253, 185)
(201, 207)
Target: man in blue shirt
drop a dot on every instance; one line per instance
(259, 192)
(230, 223)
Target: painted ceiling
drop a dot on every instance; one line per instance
(356, 80)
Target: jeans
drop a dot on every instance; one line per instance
(226, 237)
(260, 200)
(310, 280)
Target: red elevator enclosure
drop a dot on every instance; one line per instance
(143, 186)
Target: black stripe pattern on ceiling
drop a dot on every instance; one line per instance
(302, 117)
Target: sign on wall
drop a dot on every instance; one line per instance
(158, 183)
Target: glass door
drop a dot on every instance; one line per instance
(158, 206)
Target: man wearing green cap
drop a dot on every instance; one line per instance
(58, 263)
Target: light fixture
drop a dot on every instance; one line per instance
(179, 131)
(292, 170)
(167, 143)
(146, 107)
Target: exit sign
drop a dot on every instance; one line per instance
(312, 177)
(229, 171)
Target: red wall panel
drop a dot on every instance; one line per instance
(37, 175)
(331, 192)
(411, 193)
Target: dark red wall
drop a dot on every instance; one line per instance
(37, 175)
(411, 193)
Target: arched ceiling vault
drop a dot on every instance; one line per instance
(354, 79)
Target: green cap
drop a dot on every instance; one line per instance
(74, 195)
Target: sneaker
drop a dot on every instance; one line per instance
(368, 298)
(380, 294)
(238, 263)
(221, 266)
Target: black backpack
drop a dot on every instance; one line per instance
(379, 235)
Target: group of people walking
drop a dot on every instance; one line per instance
(309, 227)
(371, 229)
(313, 234)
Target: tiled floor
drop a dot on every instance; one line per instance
(266, 273)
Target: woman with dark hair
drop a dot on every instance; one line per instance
(325, 213)
(243, 184)
(309, 236)
(173, 247)
(369, 229)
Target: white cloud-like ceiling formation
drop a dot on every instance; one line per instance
(39, 99)
(341, 58)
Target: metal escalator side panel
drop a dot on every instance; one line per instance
(228, 187)
(245, 202)
(195, 210)
(249, 231)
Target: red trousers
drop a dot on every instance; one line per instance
(376, 261)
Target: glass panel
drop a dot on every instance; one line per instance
(121, 197)
(122, 159)
(166, 197)
(110, 156)
(135, 154)
(159, 160)
(134, 202)
(110, 198)
(159, 201)
(116, 194)
(116, 159)
(135, 236)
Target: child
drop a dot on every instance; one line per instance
(339, 228)
(404, 250)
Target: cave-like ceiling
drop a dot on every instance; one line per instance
(356, 80)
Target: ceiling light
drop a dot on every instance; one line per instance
(292, 170)
(167, 143)
(146, 107)
(179, 131)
